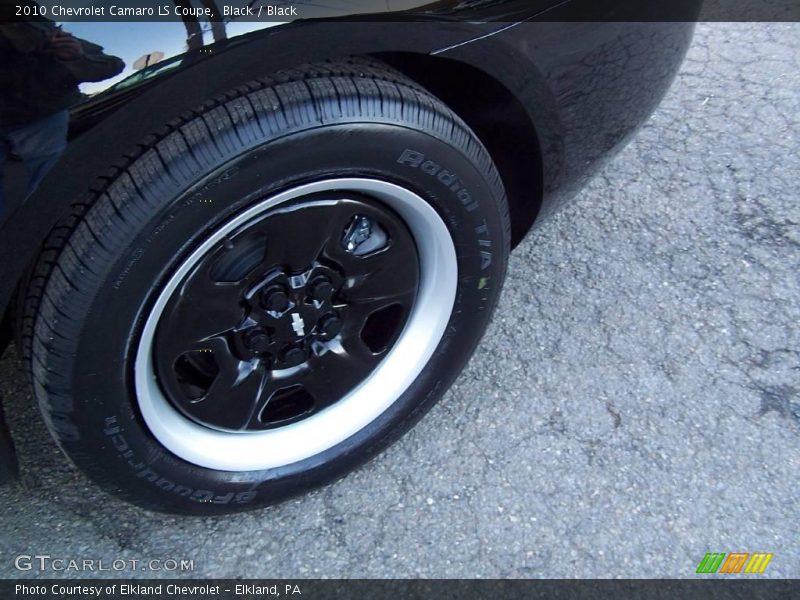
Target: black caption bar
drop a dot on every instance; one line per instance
(282, 11)
(402, 589)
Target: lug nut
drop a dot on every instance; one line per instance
(329, 326)
(258, 340)
(275, 298)
(293, 356)
(321, 288)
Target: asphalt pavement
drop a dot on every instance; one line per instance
(635, 404)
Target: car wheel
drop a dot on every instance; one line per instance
(268, 291)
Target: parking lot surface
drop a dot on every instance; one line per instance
(635, 404)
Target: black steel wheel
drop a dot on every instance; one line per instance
(287, 313)
(299, 321)
(270, 290)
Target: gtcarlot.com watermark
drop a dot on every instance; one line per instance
(45, 563)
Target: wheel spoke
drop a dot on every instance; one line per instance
(267, 412)
(298, 235)
(234, 397)
(202, 310)
(359, 311)
(391, 272)
(334, 374)
(382, 286)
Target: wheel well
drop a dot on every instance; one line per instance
(491, 111)
(496, 116)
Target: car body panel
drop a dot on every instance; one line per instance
(585, 98)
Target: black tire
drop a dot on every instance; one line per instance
(97, 278)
